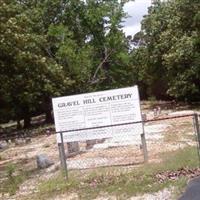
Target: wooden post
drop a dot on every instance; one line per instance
(60, 155)
(63, 156)
(144, 147)
(197, 130)
(143, 139)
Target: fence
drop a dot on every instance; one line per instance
(162, 136)
(168, 140)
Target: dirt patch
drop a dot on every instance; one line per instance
(165, 194)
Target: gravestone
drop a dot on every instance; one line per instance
(28, 140)
(90, 143)
(73, 148)
(43, 161)
(159, 110)
(155, 112)
(19, 141)
(3, 145)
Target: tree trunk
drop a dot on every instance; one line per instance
(19, 126)
(27, 122)
(49, 118)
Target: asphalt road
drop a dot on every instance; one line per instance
(192, 191)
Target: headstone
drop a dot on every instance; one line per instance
(155, 112)
(28, 140)
(3, 145)
(73, 148)
(159, 110)
(43, 161)
(48, 132)
(19, 141)
(90, 143)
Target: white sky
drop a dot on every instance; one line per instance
(136, 10)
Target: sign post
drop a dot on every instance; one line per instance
(98, 115)
(144, 147)
(197, 130)
(143, 139)
(63, 156)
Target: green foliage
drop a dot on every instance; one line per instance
(55, 186)
(28, 78)
(10, 170)
(49, 48)
(11, 184)
(53, 48)
(171, 60)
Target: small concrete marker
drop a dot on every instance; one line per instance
(43, 161)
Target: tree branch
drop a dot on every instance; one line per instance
(100, 65)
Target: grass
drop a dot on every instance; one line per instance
(11, 185)
(172, 137)
(56, 185)
(122, 183)
(182, 130)
(12, 180)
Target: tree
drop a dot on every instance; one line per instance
(171, 39)
(88, 42)
(28, 78)
(52, 48)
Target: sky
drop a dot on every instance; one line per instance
(136, 10)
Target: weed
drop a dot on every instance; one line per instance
(55, 186)
(10, 169)
(13, 181)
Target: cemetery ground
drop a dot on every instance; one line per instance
(173, 160)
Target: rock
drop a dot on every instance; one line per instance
(3, 145)
(43, 161)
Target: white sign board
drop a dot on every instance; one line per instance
(98, 109)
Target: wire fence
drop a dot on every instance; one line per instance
(163, 135)
(167, 139)
(122, 147)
